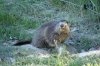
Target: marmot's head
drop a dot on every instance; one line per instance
(62, 26)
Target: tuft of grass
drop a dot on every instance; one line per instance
(58, 3)
(85, 43)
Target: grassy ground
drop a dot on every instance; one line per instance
(17, 56)
(17, 16)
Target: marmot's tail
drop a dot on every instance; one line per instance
(22, 42)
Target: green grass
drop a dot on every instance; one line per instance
(23, 60)
(17, 16)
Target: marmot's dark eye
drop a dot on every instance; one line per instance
(66, 21)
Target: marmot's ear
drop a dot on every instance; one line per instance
(66, 21)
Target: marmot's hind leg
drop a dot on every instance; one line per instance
(42, 44)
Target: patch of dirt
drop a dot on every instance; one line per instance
(95, 53)
(69, 49)
(41, 53)
(37, 52)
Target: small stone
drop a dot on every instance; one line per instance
(71, 43)
(11, 60)
(73, 29)
(82, 50)
(11, 38)
(0, 59)
(5, 43)
(99, 48)
(70, 49)
(11, 42)
(91, 49)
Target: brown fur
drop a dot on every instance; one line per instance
(50, 34)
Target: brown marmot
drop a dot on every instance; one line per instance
(49, 34)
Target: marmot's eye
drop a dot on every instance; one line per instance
(66, 21)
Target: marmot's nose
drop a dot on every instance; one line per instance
(61, 25)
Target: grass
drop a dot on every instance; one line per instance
(23, 60)
(18, 16)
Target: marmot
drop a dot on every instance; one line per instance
(49, 34)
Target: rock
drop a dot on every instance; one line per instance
(70, 49)
(73, 29)
(33, 55)
(11, 42)
(11, 59)
(91, 49)
(69, 42)
(95, 53)
(82, 50)
(99, 48)
(92, 53)
(5, 43)
(31, 47)
(11, 38)
(0, 59)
